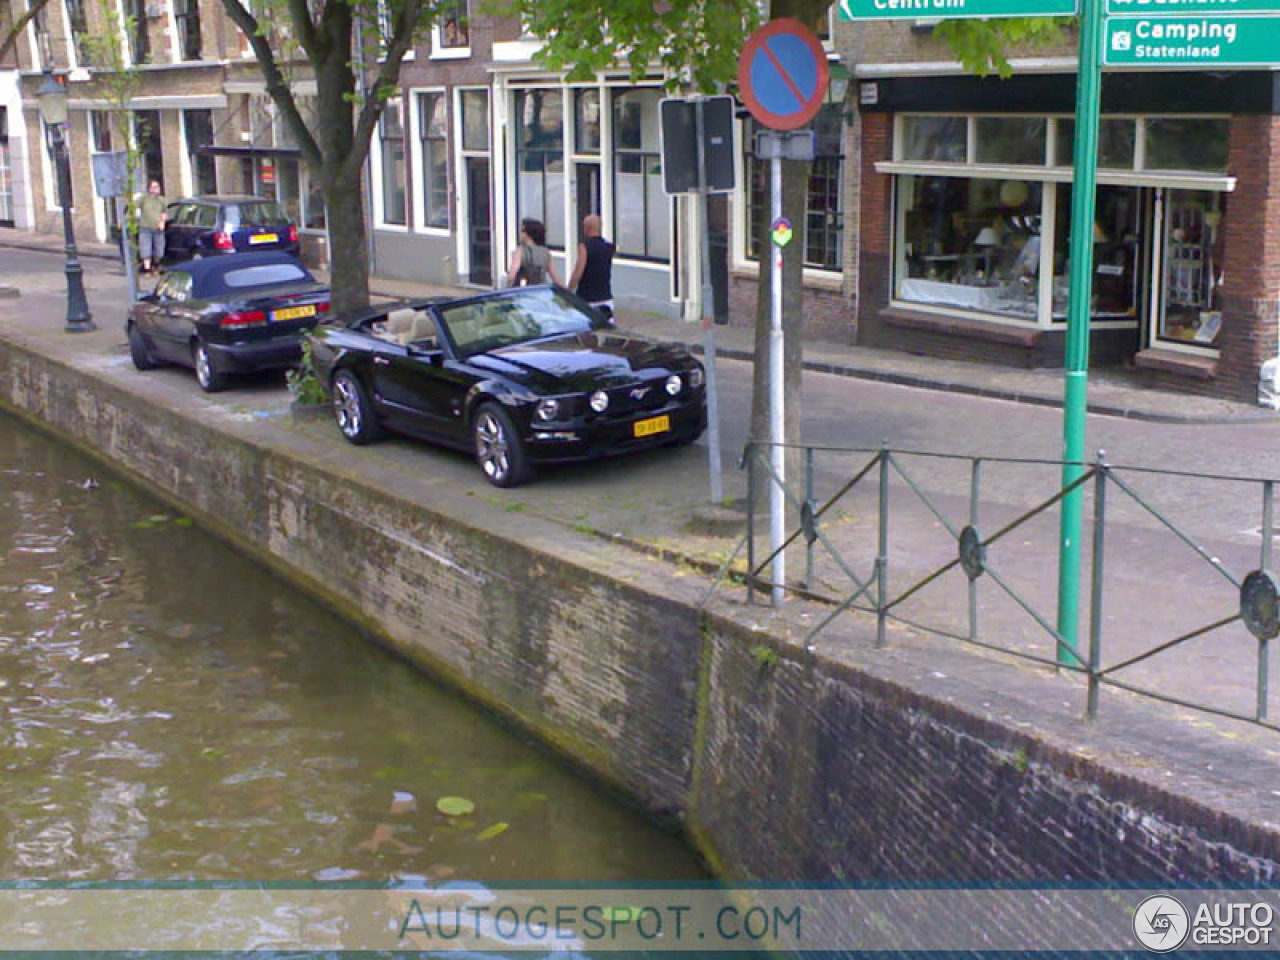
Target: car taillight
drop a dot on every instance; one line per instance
(322, 307)
(244, 318)
(222, 241)
(293, 234)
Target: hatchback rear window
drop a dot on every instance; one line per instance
(263, 214)
(264, 275)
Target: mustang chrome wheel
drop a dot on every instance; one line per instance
(491, 447)
(499, 450)
(346, 407)
(351, 409)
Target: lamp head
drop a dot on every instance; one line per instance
(51, 98)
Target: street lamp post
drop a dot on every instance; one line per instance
(52, 100)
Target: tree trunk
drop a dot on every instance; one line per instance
(348, 253)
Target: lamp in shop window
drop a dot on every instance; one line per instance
(51, 98)
(1100, 235)
(987, 237)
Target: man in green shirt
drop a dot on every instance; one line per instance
(151, 219)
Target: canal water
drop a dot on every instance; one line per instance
(169, 710)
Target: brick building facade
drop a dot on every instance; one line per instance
(964, 198)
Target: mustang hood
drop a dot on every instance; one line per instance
(585, 361)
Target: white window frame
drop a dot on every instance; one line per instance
(48, 174)
(439, 51)
(100, 203)
(417, 171)
(73, 52)
(461, 194)
(375, 179)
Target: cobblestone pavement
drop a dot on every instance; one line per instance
(1156, 587)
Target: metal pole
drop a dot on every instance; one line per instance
(777, 429)
(811, 505)
(882, 551)
(126, 245)
(1088, 100)
(79, 319)
(974, 488)
(1268, 527)
(751, 521)
(1095, 598)
(708, 316)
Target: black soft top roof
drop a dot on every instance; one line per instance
(207, 273)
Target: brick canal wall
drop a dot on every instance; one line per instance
(912, 763)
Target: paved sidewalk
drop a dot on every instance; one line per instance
(1112, 392)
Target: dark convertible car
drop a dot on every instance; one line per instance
(233, 314)
(520, 377)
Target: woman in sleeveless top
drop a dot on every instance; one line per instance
(531, 261)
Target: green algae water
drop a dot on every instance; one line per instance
(172, 712)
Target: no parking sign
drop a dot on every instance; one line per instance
(783, 75)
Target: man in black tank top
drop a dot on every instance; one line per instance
(593, 272)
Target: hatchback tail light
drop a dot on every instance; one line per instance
(322, 306)
(222, 241)
(244, 318)
(293, 234)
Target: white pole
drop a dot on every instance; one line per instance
(707, 310)
(777, 431)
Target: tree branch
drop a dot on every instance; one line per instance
(371, 110)
(308, 38)
(11, 39)
(277, 87)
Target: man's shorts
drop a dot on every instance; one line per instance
(151, 244)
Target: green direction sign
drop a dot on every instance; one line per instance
(1160, 8)
(953, 9)
(1184, 41)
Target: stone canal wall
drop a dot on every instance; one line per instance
(916, 762)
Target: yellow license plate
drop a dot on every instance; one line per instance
(293, 313)
(647, 428)
(264, 238)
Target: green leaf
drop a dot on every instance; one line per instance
(488, 833)
(182, 522)
(455, 806)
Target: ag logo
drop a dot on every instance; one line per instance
(1161, 923)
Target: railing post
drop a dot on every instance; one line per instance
(1095, 593)
(974, 488)
(1268, 522)
(750, 457)
(812, 506)
(882, 554)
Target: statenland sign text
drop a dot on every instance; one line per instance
(1179, 41)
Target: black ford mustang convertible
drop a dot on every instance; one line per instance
(520, 377)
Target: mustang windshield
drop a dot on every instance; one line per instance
(514, 318)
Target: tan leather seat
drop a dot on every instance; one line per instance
(422, 330)
(398, 324)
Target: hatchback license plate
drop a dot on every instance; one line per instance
(647, 428)
(264, 238)
(293, 313)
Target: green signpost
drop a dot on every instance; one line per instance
(1247, 41)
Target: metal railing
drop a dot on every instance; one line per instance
(1256, 600)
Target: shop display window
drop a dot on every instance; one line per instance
(1117, 253)
(1192, 268)
(969, 243)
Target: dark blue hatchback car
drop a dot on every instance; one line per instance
(211, 225)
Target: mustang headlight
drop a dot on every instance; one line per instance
(674, 384)
(696, 377)
(599, 401)
(547, 409)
